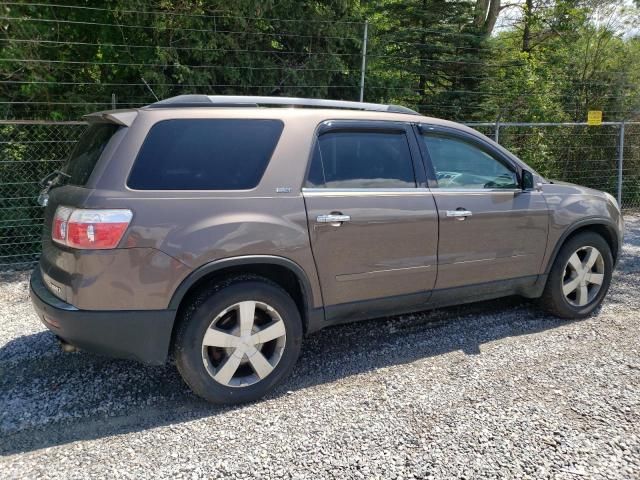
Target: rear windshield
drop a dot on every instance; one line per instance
(87, 151)
(205, 154)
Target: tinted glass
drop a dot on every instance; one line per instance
(316, 173)
(361, 160)
(87, 151)
(459, 164)
(209, 154)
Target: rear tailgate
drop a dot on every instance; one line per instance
(58, 263)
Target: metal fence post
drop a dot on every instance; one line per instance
(620, 161)
(364, 58)
(496, 136)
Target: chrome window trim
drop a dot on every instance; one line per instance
(357, 192)
(458, 191)
(354, 192)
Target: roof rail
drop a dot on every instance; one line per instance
(250, 101)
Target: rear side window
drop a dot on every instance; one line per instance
(362, 160)
(87, 151)
(205, 154)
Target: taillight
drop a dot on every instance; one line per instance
(90, 229)
(60, 224)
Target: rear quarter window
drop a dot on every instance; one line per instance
(205, 154)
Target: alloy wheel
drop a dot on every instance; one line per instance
(243, 343)
(583, 276)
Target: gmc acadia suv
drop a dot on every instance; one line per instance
(221, 230)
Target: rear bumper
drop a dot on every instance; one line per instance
(142, 335)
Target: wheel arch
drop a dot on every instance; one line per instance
(286, 273)
(602, 226)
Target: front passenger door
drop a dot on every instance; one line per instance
(490, 229)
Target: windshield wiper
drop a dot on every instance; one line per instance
(47, 183)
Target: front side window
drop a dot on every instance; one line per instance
(459, 164)
(352, 159)
(205, 154)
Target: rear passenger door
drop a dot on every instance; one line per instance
(372, 220)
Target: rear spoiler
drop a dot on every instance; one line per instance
(119, 117)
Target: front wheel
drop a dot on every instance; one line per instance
(238, 340)
(580, 277)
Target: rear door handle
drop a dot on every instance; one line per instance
(333, 218)
(459, 213)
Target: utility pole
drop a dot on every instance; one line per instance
(364, 58)
(620, 161)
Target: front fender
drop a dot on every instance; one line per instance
(574, 207)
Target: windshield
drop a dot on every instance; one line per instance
(87, 151)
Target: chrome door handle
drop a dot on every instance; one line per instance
(333, 218)
(459, 213)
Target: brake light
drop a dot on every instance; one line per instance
(90, 229)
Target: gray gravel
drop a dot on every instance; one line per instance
(492, 390)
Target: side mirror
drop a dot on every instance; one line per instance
(527, 180)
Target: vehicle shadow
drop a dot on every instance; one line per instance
(48, 398)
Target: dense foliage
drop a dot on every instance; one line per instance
(467, 60)
(462, 59)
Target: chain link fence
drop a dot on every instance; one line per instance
(605, 157)
(576, 153)
(29, 150)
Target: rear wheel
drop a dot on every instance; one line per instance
(238, 340)
(580, 277)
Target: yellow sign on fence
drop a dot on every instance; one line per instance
(594, 117)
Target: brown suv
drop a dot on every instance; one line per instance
(222, 231)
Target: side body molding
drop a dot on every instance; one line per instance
(313, 317)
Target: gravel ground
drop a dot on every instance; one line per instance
(492, 390)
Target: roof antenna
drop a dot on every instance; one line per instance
(150, 89)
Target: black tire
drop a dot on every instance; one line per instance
(188, 346)
(553, 299)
